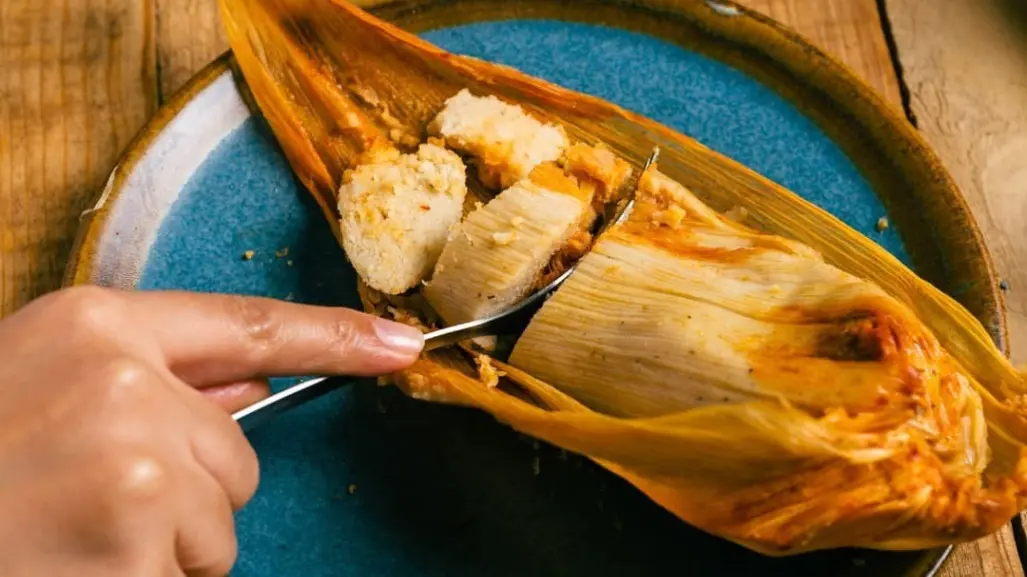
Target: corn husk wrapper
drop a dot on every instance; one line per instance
(775, 468)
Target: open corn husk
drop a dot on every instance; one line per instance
(863, 407)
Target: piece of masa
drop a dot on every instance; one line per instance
(396, 213)
(507, 142)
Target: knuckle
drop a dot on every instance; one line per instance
(259, 325)
(344, 334)
(87, 308)
(139, 477)
(132, 482)
(124, 379)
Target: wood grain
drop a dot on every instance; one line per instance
(971, 104)
(76, 82)
(189, 36)
(992, 556)
(849, 30)
(965, 66)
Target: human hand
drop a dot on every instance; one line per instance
(118, 454)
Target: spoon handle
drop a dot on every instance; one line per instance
(261, 412)
(291, 397)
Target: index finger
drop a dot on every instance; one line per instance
(215, 338)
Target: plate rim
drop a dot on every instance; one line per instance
(92, 221)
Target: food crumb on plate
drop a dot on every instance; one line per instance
(351, 489)
(282, 253)
(536, 466)
(882, 224)
(248, 255)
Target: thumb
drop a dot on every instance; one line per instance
(214, 339)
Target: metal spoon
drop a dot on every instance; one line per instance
(507, 321)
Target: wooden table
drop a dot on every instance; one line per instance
(79, 77)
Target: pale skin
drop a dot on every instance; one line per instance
(118, 453)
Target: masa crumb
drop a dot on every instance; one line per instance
(487, 373)
(282, 253)
(351, 489)
(248, 255)
(882, 224)
(536, 466)
(407, 317)
(672, 217)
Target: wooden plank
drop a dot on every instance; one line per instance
(76, 82)
(849, 30)
(965, 66)
(189, 36)
(992, 556)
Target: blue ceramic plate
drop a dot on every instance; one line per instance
(368, 482)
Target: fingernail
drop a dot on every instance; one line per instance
(399, 337)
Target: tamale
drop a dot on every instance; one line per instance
(837, 399)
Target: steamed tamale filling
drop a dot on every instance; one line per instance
(598, 166)
(789, 396)
(571, 252)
